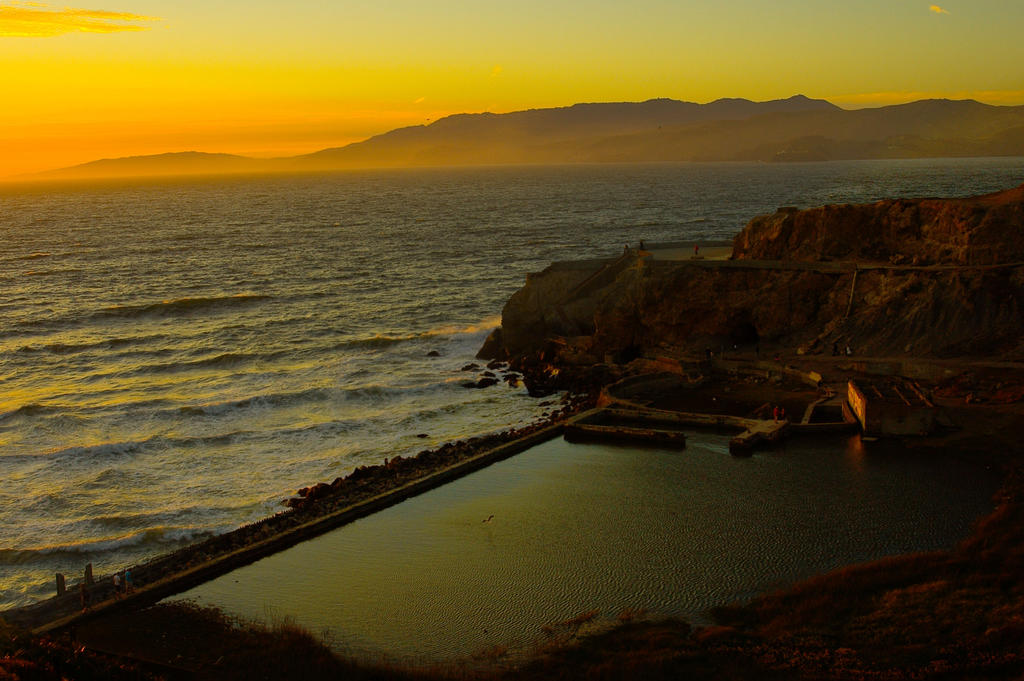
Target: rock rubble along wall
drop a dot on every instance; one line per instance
(952, 303)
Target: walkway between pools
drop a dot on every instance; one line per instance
(624, 419)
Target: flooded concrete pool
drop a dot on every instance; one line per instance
(579, 527)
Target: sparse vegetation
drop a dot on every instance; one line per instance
(24, 657)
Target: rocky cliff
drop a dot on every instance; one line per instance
(922, 278)
(980, 230)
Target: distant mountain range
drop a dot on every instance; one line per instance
(785, 130)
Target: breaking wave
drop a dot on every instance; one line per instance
(258, 401)
(101, 451)
(182, 306)
(156, 536)
(223, 360)
(383, 340)
(28, 410)
(71, 348)
(372, 393)
(114, 450)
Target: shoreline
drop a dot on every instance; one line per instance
(322, 507)
(917, 311)
(366, 490)
(315, 510)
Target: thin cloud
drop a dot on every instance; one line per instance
(938, 10)
(37, 20)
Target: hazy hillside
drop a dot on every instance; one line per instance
(178, 163)
(541, 135)
(929, 128)
(794, 129)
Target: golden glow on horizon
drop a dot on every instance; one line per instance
(266, 79)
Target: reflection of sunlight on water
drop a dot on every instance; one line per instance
(854, 454)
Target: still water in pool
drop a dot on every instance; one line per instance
(583, 527)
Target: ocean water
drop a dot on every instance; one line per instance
(176, 357)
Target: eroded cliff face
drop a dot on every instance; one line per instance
(926, 278)
(981, 230)
(892, 313)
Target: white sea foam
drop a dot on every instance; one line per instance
(152, 535)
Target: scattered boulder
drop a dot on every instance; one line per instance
(361, 472)
(493, 347)
(433, 353)
(318, 490)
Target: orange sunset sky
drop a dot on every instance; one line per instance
(261, 77)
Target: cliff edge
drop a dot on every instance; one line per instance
(981, 230)
(925, 278)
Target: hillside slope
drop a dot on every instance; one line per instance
(176, 163)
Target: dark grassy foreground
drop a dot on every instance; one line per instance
(24, 657)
